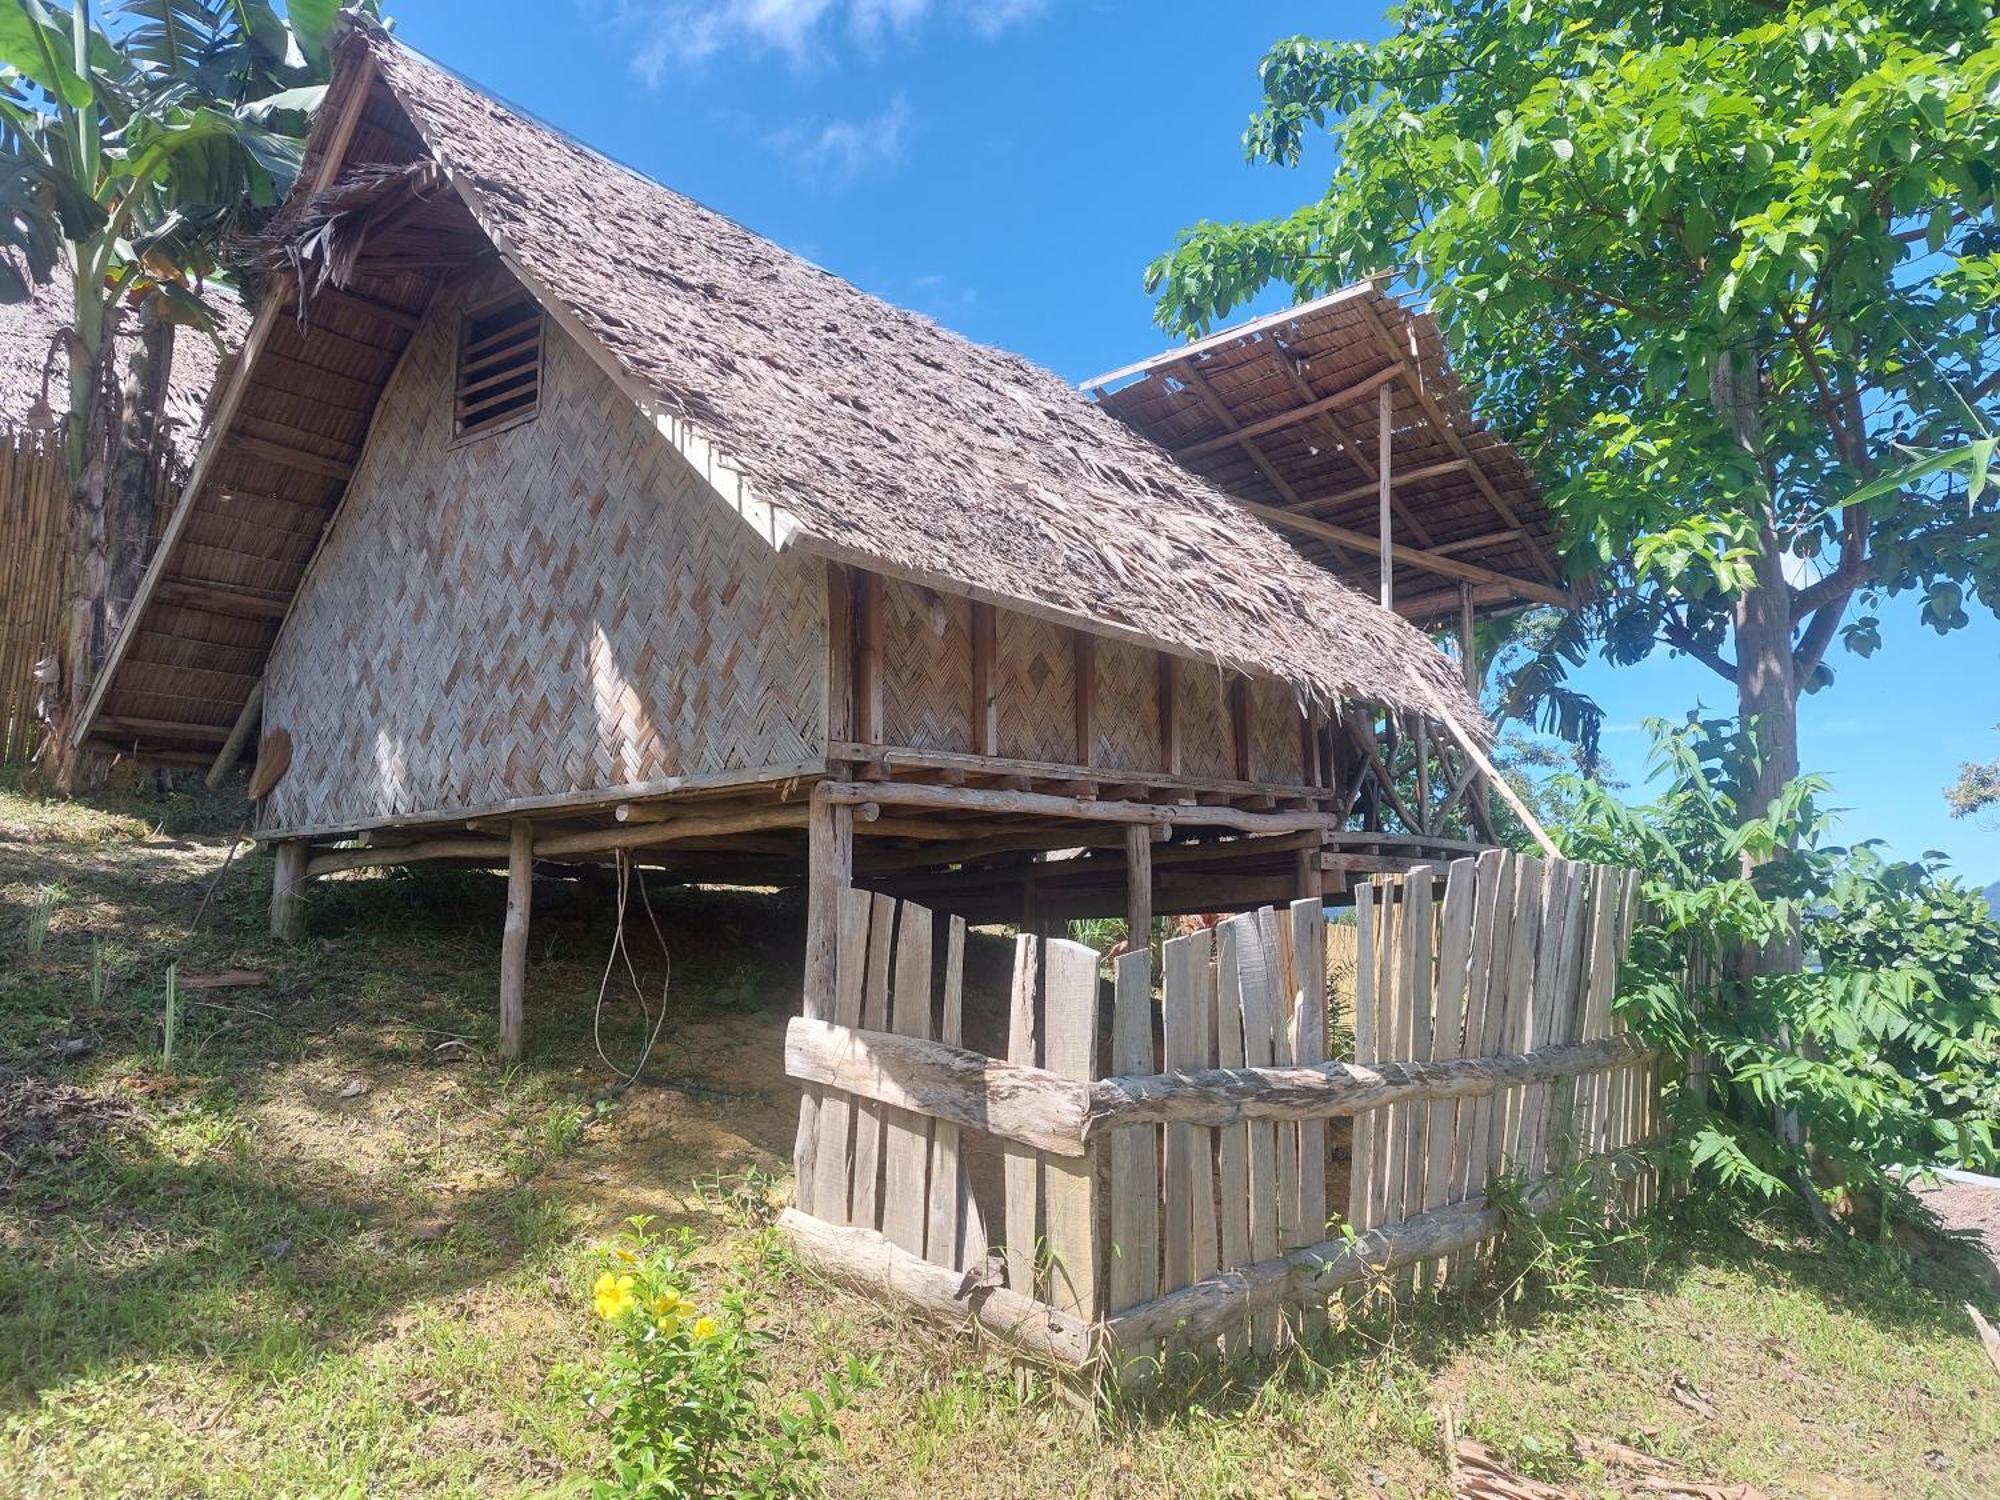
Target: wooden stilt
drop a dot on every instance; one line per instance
(829, 875)
(1385, 441)
(288, 878)
(1138, 886)
(239, 736)
(514, 936)
(1468, 659)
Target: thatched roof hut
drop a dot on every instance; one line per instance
(548, 501)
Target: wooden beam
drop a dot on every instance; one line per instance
(221, 599)
(1453, 438)
(1346, 396)
(1386, 545)
(1041, 804)
(514, 937)
(1170, 713)
(239, 736)
(1138, 888)
(1373, 489)
(291, 458)
(1500, 783)
(868, 1261)
(1239, 725)
(1416, 557)
(839, 653)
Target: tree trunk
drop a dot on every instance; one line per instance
(137, 453)
(87, 539)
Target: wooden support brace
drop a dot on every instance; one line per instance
(514, 937)
(288, 877)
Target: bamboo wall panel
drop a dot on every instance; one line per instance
(1277, 727)
(1128, 707)
(926, 668)
(558, 607)
(33, 486)
(1035, 666)
(1208, 743)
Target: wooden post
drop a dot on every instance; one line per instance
(868, 661)
(1085, 657)
(1386, 406)
(1468, 661)
(514, 935)
(239, 734)
(829, 875)
(288, 878)
(1138, 887)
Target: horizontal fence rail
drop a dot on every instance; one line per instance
(1150, 1166)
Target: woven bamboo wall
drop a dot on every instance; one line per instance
(1277, 746)
(1128, 707)
(1034, 665)
(33, 483)
(555, 608)
(1208, 742)
(926, 668)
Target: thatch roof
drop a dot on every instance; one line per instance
(27, 330)
(830, 420)
(881, 433)
(1283, 412)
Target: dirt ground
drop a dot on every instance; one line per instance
(1973, 1212)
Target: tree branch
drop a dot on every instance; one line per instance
(1818, 635)
(1675, 632)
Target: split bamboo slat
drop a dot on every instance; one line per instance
(1416, 984)
(1448, 1032)
(1246, 969)
(1529, 878)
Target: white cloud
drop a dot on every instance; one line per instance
(833, 153)
(688, 33)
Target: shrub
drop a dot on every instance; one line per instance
(680, 1383)
(1884, 1046)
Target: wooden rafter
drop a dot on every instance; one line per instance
(1346, 396)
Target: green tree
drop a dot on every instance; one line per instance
(1719, 267)
(1976, 790)
(128, 151)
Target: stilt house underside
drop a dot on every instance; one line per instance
(756, 546)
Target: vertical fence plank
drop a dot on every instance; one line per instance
(1246, 979)
(1416, 984)
(905, 1201)
(833, 1164)
(1389, 921)
(1134, 1271)
(1207, 1253)
(1529, 876)
(1454, 969)
(1233, 1142)
(948, 1199)
(1276, 931)
(1486, 1004)
(1021, 1165)
(1069, 1049)
(1308, 925)
(1361, 1139)
(1180, 1050)
(867, 1193)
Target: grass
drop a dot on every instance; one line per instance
(339, 1248)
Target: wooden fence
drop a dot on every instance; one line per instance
(1165, 1181)
(34, 494)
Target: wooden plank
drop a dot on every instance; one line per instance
(1308, 923)
(839, 653)
(867, 1194)
(985, 681)
(1134, 1267)
(1069, 1045)
(1182, 1047)
(1361, 1159)
(950, 1197)
(1084, 675)
(1447, 1122)
(833, 1174)
(906, 1136)
(868, 659)
(1559, 885)
(1170, 714)
(829, 875)
(288, 877)
(1275, 929)
(1246, 970)
(1139, 887)
(514, 936)
(292, 458)
(1529, 879)
(1486, 1003)
(1385, 484)
(1415, 988)
(1233, 1141)
(1020, 1166)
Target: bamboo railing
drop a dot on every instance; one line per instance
(34, 486)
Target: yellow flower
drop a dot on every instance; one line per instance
(704, 1328)
(613, 1296)
(668, 1327)
(668, 1304)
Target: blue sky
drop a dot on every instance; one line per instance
(1009, 167)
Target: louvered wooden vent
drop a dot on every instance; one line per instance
(499, 367)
